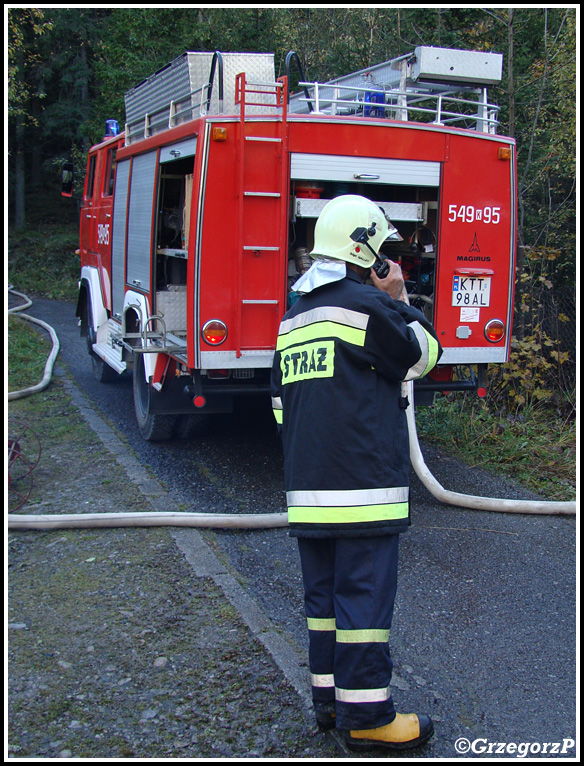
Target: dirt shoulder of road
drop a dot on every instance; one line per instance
(117, 646)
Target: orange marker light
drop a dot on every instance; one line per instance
(214, 332)
(219, 133)
(494, 330)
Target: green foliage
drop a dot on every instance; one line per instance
(542, 360)
(547, 146)
(532, 376)
(27, 354)
(42, 260)
(25, 27)
(533, 445)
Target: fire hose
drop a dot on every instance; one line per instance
(48, 373)
(271, 520)
(547, 507)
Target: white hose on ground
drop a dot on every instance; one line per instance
(548, 507)
(52, 356)
(273, 520)
(153, 519)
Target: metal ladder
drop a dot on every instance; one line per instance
(263, 216)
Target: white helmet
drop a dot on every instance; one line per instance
(351, 228)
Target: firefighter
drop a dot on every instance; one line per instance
(343, 350)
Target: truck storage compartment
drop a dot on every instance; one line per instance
(172, 242)
(407, 191)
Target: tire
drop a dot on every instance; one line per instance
(152, 426)
(102, 372)
(191, 426)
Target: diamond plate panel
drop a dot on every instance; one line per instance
(171, 304)
(188, 73)
(395, 211)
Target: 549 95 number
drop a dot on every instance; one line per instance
(470, 214)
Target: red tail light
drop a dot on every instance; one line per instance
(494, 330)
(214, 332)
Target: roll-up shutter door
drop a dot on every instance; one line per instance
(330, 167)
(140, 212)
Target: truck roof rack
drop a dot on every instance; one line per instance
(440, 86)
(437, 85)
(192, 85)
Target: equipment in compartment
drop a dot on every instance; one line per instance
(412, 211)
(417, 258)
(176, 186)
(175, 198)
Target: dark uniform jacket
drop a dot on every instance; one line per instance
(342, 352)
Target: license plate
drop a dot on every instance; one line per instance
(471, 291)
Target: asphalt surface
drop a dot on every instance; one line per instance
(485, 632)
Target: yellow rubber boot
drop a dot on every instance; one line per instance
(405, 731)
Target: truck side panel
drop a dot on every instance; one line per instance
(242, 255)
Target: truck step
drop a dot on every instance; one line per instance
(111, 356)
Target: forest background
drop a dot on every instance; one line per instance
(68, 70)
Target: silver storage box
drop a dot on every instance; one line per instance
(446, 65)
(190, 72)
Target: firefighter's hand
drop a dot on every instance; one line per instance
(393, 283)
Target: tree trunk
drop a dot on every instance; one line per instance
(510, 42)
(19, 177)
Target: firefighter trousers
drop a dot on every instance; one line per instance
(349, 594)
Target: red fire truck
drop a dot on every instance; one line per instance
(198, 218)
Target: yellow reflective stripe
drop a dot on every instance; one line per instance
(277, 409)
(363, 695)
(432, 353)
(308, 361)
(346, 514)
(319, 331)
(367, 636)
(429, 349)
(321, 623)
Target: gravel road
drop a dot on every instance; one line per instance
(123, 642)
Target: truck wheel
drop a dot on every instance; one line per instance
(102, 372)
(191, 426)
(152, 426)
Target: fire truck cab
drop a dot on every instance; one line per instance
(198, 218)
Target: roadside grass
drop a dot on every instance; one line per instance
(28, 350)
(41, 423)
(535, 445)
(42, 260)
